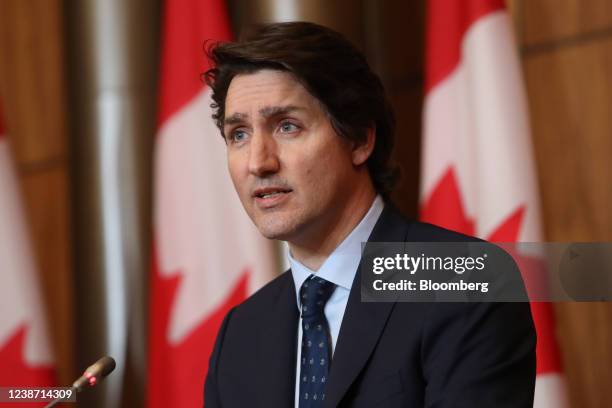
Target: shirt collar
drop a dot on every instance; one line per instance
(341, 265)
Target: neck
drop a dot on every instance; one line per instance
(313, 250)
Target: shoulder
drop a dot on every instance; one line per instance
(394, 227)
(429, 232)
(270, 295)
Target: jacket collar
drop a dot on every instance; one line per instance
(363, 322)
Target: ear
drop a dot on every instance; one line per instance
(362, 151)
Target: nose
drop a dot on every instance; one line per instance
(263, 157)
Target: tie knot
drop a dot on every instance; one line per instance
(314, 294)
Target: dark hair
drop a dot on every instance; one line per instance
(330, 68)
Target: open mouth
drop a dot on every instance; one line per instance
(271, 192)
(266, 195)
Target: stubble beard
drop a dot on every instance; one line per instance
(281, 226)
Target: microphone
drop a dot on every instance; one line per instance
(95, 373)
(91, 376)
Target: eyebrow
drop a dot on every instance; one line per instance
(234, 118)
(265, 112)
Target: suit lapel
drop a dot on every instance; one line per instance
(277, 349)
(363, 323)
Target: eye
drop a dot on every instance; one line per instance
(288, 127)
(238, 135)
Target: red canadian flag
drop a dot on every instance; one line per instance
(478, 173)
(207, 255)
(25, 353)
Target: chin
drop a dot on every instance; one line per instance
(276, 227)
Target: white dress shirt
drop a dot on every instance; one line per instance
(339, 268)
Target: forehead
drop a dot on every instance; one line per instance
(266, 88)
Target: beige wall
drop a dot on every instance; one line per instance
(566, 47)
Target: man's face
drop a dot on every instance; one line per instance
(293, 173)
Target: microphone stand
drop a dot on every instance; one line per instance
(58, 400)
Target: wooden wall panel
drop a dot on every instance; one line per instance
(551, 20)
(407, 102)
(407, 152)
(402, 38)
(569, 85)
(570, 96)
(46, 198)
(31, 68)
(32, 92)
(585, 336)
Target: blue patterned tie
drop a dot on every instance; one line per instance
(316, 347)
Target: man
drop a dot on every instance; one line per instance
(309, 136)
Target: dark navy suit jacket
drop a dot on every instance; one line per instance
(387, 354)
